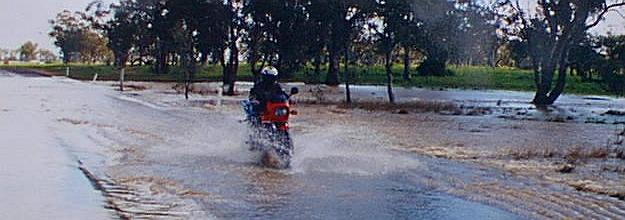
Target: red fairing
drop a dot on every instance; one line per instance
(269, 116)
(284, 127)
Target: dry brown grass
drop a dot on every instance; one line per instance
(589, 186)
(129, 86)
(573, 155)
(417, 106)
(598, 152)
(579, 154)
(532, 153)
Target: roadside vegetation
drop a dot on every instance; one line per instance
(464, 77)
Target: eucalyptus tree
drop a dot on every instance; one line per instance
(551, 33)
(277, 34)
(28, 51)
(391, 18)
(67, 30)
(477, 41)
(439, 21)
(233, 25)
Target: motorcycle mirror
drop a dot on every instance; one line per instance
(294, 90)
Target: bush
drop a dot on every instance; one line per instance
(431, 67)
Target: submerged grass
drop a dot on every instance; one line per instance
(404, 108)
(464, 77)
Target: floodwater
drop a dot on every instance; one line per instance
(508, 104)
(154, 155)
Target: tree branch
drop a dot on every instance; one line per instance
(602, 14)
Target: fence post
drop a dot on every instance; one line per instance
(220, 95)
(121, 79)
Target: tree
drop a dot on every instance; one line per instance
(476, 41)
(186, 16)
(393, 15)
(122, 31)
(551, 33)
(93, 48)
(318, 34)
(66, 29)
(28, 51)
(513, 53)
(46, 55)
(611, 68)
(277, 34)
(230, 63)
(440, 23)
(76, 35)
(614, 47)
(584, 57)
(4, 54)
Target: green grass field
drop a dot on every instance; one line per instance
(465, 77)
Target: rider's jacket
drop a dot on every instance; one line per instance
(263, 92)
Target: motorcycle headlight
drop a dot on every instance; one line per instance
(281, 112)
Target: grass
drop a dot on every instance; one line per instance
(465, 77)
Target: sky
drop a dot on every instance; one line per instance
(24, 20)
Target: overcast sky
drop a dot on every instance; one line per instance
(23, 20)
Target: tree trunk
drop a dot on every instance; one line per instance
(317, 64)
(161, 62)
(230, 74)
(406, 75)
(332, 79)
(203, 59)
(560, 83)
(540, 98)
(348, 95)
(545, 95)
(389, 77)
(121, 79)
(492, 55)
(187, 83)
(229, 79)
(543, 85)
(254, 64)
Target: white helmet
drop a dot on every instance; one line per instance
(269, 74)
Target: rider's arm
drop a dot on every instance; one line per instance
(254, 92)
(280, 90)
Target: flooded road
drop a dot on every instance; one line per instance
(38, 176)
(154, 155)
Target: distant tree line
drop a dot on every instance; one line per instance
(322, 34)
(27, 52)
(600, 58)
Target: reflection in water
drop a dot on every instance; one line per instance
(268, 190)
(338, 173)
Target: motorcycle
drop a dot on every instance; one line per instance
(269, 132)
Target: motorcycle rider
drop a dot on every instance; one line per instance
(264, 89)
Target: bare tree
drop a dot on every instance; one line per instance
(550, 34)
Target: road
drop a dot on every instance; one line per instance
(158, 156)
(39, 175)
